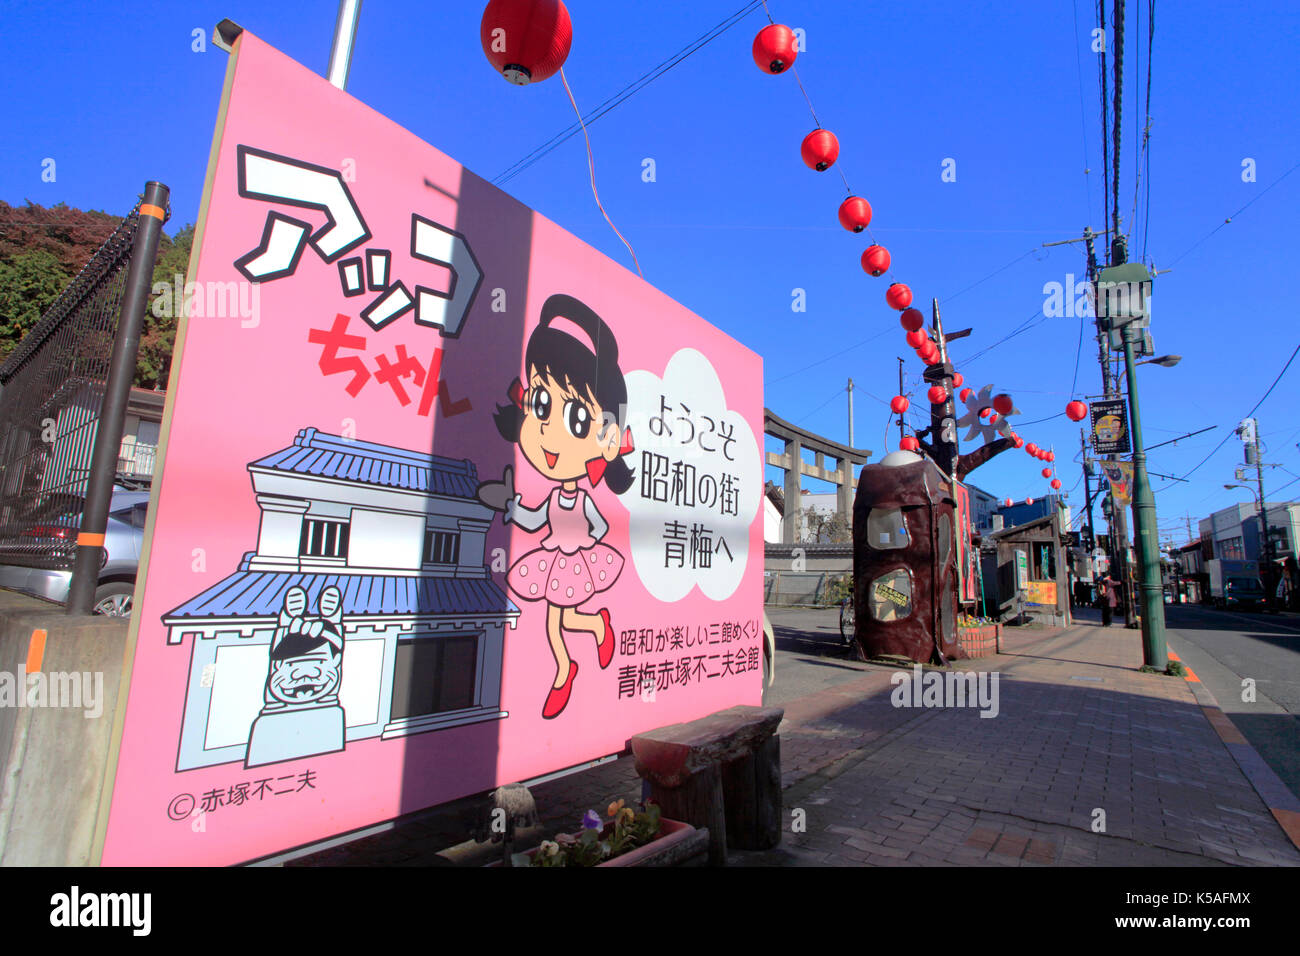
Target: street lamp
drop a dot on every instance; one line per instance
(1168, 361)
(1128, 285)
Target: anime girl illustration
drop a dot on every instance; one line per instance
(565, 417)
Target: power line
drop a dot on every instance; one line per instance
(1247, 415)
(837, 394)
(627, 92)
(1235, 214)
(1146, 215)
(1083, 127)
(836, 354)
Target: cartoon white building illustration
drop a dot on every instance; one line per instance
(400, 535)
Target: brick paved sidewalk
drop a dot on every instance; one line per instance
(1088, 762)
(1079, 730)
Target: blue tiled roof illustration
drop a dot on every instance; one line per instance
(333, 456)
(261, 594)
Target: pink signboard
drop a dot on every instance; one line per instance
(449, 499)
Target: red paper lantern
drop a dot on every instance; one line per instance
(898, 296)
(993, 419)
(820, 149)
(912, 320)
(1047, 473)
(1007, 503)
(1056, 484)
(1003, 403)
(1029, 501)
(1051, 456)
(526, 40)
(1076, 411)
(957, 379)
(933, 358)
(855, 214)
(899, 404)
(1032, 449)
(775, 48)
(985, 412)
(908, 443)
(918, 338)
(937, 394)
(875, 260)
(964, 394)
(1017, 440)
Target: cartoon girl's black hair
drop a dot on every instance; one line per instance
(560, 356)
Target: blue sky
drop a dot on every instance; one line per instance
(734, 222)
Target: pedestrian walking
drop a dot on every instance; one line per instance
(1108, 597)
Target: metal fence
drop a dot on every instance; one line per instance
(51, 392)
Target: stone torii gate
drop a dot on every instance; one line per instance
(791, 461)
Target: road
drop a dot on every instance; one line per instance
(810, 656)
(1228, 649)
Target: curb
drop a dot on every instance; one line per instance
(1279, 799)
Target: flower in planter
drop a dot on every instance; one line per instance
(600, 841)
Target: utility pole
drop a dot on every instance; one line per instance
(1266, 572)
(851, 445)
(1087, 493)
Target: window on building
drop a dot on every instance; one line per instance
(1044, 562)
(434, 675)
(1230, 549)
(323, 538)
(441, 547)
(886, 528)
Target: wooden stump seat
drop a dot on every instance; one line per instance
(723, 772)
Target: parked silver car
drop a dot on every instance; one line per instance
(57, 523)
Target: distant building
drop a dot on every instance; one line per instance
(1233, 533)
(983, 506)
(1022, 513)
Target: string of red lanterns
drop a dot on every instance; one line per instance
(528, 41)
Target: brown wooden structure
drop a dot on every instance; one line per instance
(905, 560)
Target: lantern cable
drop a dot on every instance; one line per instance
(636, 86)
(591, 165)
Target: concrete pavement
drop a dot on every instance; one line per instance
(1087, 762)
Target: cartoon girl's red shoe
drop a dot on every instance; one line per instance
(606, 645)
(558, 698)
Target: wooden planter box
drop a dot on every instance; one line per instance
(678, 844)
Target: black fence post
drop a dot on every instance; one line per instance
(108, 433)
